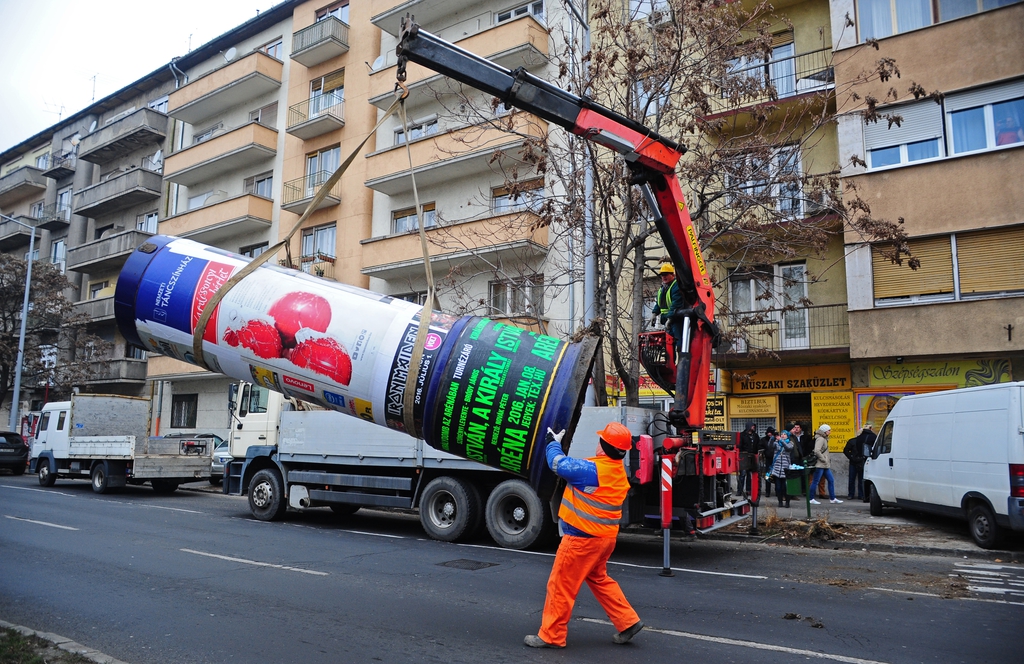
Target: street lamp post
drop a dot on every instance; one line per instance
(16, 397)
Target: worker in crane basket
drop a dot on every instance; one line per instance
(668, 302)
(588, 521)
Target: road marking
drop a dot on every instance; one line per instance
(26, 488)
(989, 579)
(173, 509)
(41, 523)
(255, 562)
(362, 532)
(750, 644)
(966, 599)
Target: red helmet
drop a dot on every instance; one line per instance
(616, 435)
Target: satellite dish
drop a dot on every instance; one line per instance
(76, 139)
(92, 127)
(230, 54)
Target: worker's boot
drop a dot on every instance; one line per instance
(625, 635)
(535, 641)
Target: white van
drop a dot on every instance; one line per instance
(958, 453)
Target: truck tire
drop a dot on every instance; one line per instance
(46, 478)
(984, 530)
(448, 509)
(100, 477)
(164, 486)
(875, 500)
(266, 495)
(515, 515)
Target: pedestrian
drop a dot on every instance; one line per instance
(765, 458)
(668, 302)
(749, 442)
(780, 464)
(857, 450)
(588, 521)
(822, 464)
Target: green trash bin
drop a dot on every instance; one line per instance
(796, 482)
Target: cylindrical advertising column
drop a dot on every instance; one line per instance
(486, 390)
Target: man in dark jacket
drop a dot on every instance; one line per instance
(749, 442)
(857, 451)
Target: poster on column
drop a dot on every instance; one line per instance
(838, 410)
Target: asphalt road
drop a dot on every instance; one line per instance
(191, 577)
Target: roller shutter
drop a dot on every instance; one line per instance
(935, 275)
(991, 261)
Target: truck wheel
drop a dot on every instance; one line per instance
(266, 495)
(876, 501)
(984, 530)
(515, 515)
(447, 509)
(165, 486)
(100, 477)
(46, 478)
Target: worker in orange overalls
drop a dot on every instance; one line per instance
(588, 521)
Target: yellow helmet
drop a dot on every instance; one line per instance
(666, 268)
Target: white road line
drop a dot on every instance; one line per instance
(173, 509)
(751, 644)
(966, 599)
(986, 566)
(255, 562)
(41, 523)
(27, 488)
(362, 532)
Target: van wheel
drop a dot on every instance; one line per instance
(448, 508)
(515, 516)
(100, 477)
(984, 530)
(266, 495)
(46, 478)
(876, 501)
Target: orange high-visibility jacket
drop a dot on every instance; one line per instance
(597, 513)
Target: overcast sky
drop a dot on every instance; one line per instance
(53, 49)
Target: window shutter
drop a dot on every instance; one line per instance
(933, 277)
(249, 184)
(268, 115)
(921, 121)
(990, 261)
(958, 101)
(782, 38)
(334, 81)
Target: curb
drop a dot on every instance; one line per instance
(64, 643)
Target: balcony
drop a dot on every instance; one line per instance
(133, 132)
(297, 194)
(97, 310)
(107, 254)
(253, 76)
(21, 183)
(60, 164)
(54, 216)
(519, 43)
(228, 152)
(777, 80)
(319, 265)
(315, 117)
(500, 238)
(117, 370)
(320, 42)
(13, 236)
(214, 224)
(117, 193)
(804, 328)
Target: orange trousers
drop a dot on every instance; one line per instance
(582, 559)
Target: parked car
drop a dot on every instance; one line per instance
(13, 452)
(221, 457)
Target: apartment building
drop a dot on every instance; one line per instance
(952, 170)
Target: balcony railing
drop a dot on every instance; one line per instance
(316, 116)
(790, 76)
(296, 194)
(117, 370)
(802, 328)
(60, 164)
(106, 254)
(320, 42)
(320, 264)
(119, 191)
(54, 216)
(123, 136)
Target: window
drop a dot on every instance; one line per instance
(338, 10)
(405, 220)
(883, 18)
(199, 200)
(62, 419)
(58, 253)
(64, 203)
(154, 162)
(252, 251)
(535, 9)
(779, 71)
(266, 116)
(518, 297)
(918, 137)
(103, 231)
(206, 134)
(254, 400)
(933, 281)
(43, 161)
(987, 118)
(769, 290)
(96, 289)
(326, 92)
(319, 242)
(527, 195)
(48, 356)
(159, 105)
(639, 9)
(260, 185)
(326, 161)
(651, 96)
(274, 49)
(751, 289)
(419, 297)
(36, 210)
(777, 178)
(417, 129)
(183, 410)
(950, 9)
(883, 444)
(147, 222)
(133, 352)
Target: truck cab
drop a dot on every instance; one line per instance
(255, 413)
(52, 431)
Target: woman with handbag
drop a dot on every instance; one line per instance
(780, 464)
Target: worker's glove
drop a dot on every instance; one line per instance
(555, 436)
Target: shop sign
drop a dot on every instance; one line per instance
(954, 373)
(821, 378)
(838, 410)
(753, 407)
(714, 413)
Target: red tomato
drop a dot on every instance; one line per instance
(257, 335)
(297, 310)
(323, 355)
